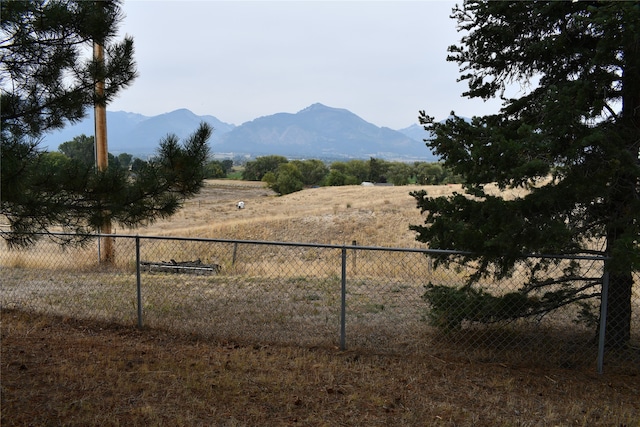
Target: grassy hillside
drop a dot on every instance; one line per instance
(373, 215)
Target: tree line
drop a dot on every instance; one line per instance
(287, 176)
(282, 175)
(81, 149)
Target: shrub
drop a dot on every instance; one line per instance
(450, 306)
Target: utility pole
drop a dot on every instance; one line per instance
(102, 152)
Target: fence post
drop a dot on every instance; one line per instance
(138, 282)
(235, 250)
(99, 249)
(355, 268)
(343, 301)
(604, 302)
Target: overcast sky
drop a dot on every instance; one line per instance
(237, 60)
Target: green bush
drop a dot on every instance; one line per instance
(450, 306)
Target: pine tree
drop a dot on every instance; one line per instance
(47, 79)
(570, 141)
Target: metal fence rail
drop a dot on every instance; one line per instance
(355, 297)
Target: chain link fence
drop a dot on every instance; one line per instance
(349, 297)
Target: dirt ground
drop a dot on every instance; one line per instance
(64, 372)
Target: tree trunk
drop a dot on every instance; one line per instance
(618, 330)
(102, 151)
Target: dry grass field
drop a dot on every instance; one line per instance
(373, 216)
(59, 370)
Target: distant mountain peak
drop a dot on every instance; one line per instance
(314, 107)
(180, 111)
(317, 131)
(319, 108)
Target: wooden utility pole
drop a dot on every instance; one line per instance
(102, 152)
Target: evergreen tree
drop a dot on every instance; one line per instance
(45, 76)
(46, 82)
(570, 140)
(377, 170)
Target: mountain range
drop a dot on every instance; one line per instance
(318, 132)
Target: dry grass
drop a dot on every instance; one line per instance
(370, 215)
(66, 371)
(60, 371)
(377, 216)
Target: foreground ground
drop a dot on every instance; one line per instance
(63, 371)
(60, 371)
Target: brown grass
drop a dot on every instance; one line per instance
(60, 371)
(377, 216)
(65, 371)
(370, 215)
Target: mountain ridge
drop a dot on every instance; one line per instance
(317, 131)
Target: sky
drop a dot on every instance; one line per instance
(240, 60)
